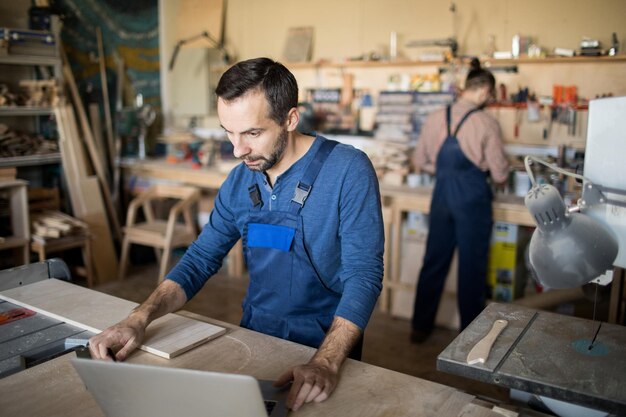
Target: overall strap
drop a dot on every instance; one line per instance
(255, 196)
(456, 131)
(448, 118)
(303, 188)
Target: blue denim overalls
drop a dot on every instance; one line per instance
(460, 214)
(287, 298)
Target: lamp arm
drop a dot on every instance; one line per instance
(529, 170)
(205, 35)
(592, 193)
(174, 55)
(595, 194)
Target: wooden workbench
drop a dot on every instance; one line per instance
(507, 208)
(397, 200)
(208, 178)
(55, 389)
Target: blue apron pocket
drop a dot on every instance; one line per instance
(270, 236)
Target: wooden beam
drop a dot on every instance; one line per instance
(105, 96)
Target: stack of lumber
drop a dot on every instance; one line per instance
(391, 162)
(87, 176)
(88, 194)
(15, 143)
(54, 224)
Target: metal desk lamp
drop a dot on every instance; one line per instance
(573, 246)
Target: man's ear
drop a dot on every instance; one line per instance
(293, 118)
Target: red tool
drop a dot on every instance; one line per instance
(517, 121)
(15, 314)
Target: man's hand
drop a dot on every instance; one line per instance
(311, 382)
(316, 380)
(128, 334)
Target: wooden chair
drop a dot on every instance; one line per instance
(163, 235)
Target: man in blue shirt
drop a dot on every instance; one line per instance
(308, 211)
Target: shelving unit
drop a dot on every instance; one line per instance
(7, 112)
(485, 61)
(539, 74)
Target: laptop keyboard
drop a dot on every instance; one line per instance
(269, 406)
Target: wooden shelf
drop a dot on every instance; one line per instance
(30, 160)
(30, 60)
(487, 61)
(25, 111)
(362, 64)
(555, 60)
(525, 106)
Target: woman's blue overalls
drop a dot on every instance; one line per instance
(287, 298)
(460, 214)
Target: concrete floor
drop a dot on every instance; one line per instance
(386, 338)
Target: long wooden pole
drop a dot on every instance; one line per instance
(105, 95)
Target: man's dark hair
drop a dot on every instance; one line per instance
(277, 83)
(479, 77)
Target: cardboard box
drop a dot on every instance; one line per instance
(413, 247)
(506, 274)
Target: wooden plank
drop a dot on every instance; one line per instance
(72, 157)
(86, 201)
(95, 159)
(168, 336)
(91, 211)
(105, 96)
(77, 145)
(96, 126)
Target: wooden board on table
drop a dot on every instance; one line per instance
(167, 336)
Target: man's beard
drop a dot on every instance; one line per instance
(275, 156)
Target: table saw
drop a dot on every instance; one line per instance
(546, 354)
(28, 338)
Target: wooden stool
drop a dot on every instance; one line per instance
(65, 243)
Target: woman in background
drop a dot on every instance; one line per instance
(462, 146)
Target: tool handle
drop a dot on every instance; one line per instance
(480, 351)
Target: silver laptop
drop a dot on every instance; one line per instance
(130, 390)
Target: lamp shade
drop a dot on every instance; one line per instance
(567, 250)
